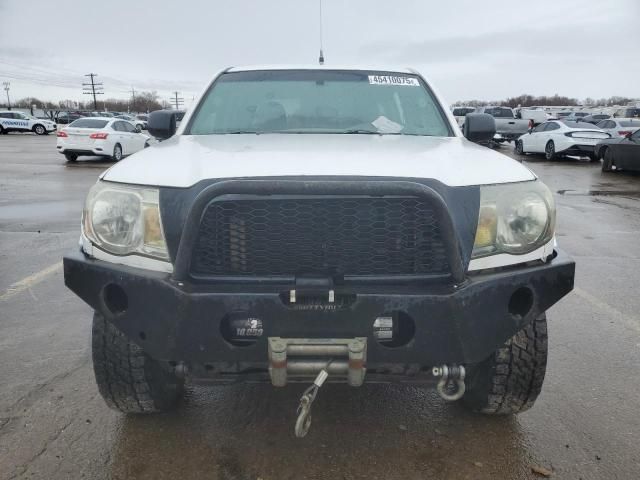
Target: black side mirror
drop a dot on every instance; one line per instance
(479, 127)
(162, 124)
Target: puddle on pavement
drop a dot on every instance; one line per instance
(603, 193)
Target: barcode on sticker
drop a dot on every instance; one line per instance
(393, 80)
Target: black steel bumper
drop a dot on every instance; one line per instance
(181, 322)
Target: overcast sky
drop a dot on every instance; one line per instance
(470, 49)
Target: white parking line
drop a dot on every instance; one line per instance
(630, 321)
(30, 281)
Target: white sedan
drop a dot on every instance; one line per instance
(103, 136)
(139, 124)
(560, 137)
(619, 127)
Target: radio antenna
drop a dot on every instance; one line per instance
(321, 57)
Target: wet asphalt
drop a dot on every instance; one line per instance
(54, 425)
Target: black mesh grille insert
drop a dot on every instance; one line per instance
(368, 236)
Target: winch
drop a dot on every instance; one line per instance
(320, 357)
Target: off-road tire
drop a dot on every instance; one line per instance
(510, 381)
(128, 379)
(607, 161)
(71, 157)
(550, 151)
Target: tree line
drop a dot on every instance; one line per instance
(554, 100)
(143, 102)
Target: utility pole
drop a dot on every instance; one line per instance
(6, 86)
(177, 101)
(93, 88)
(133, 98)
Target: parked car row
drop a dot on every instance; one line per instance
(615, 142)
(139, 121)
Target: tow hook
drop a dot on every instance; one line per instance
(451, 385)
(303, 422)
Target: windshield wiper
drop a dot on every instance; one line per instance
(241, 132)
(361, 131)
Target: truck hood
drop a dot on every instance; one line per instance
(185, 160)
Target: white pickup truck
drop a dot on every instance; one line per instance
(312, 224)
(508, 127)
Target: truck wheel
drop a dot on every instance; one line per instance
(607, 161)
(128, 379)
(39, 129)
(71, 157)
(550, 151)
(511, 379)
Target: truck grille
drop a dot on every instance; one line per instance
(350, 236)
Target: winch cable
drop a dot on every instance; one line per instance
(303, 422)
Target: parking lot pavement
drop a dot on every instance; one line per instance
(53, 424)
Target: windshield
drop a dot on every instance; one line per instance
(89, 123)
(312, 101)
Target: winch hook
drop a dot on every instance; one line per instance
(303, 422)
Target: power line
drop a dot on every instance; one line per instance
(177, 101)
(96, 89)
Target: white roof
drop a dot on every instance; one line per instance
(311, 66)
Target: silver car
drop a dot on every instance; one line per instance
(619, 127)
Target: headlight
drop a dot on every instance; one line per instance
(124, 220)
(515, 218)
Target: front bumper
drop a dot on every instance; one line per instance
(180, 322)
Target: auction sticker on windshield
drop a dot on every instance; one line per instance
(393, 80)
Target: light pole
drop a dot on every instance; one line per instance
(6, 86)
